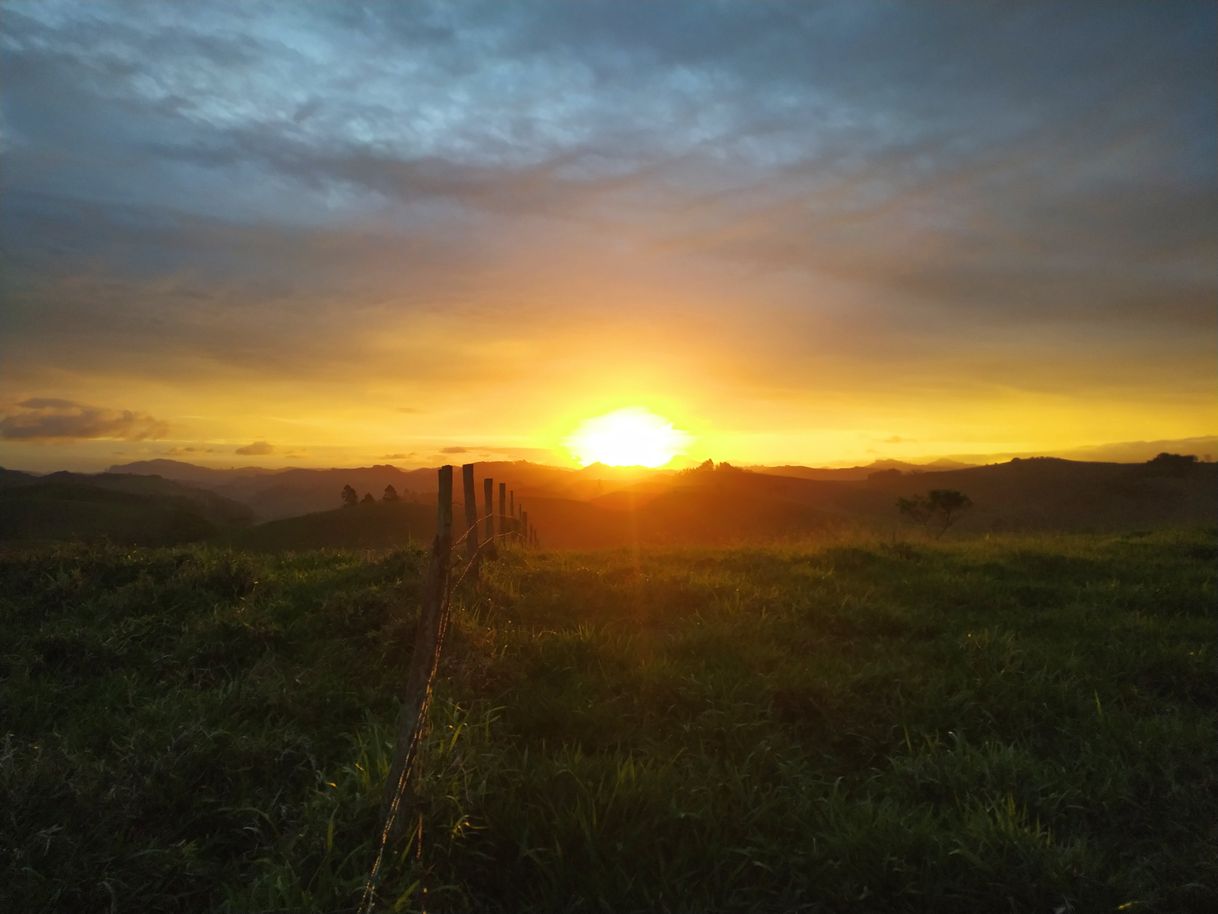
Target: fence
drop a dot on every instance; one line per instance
(498, 527)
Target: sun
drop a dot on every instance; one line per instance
(633, 437)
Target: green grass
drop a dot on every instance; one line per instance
(1023, 724)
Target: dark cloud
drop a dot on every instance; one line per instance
(454, 450)
(53, 419)
(47, 403)
(257, 449)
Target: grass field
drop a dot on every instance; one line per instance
(1026, 724)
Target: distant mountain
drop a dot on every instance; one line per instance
(288, 492)
(1204, 447)
(188, 472)
(860, 472)
(606, 506)
(291, 492)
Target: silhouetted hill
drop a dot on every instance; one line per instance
(376, 525)
(182, 471)
(1046, 493)
(290, 492)
(860, 472)
(15, 478)
(1204, 446)
(273, 494)
(137, 510)
(729, 504)
(606, 506)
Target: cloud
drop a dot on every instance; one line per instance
(51, 403)
(497, 452)
(257, 449)
(192, 196)
(190, 449)
(52, 419)
(397, 456)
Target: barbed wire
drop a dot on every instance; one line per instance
(419, 728)
(482, 520)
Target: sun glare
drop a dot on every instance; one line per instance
(627, 437)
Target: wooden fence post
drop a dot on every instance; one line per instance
(502, 511)
(425, 656)
(471, 513)
(524, 526)
(488, 521)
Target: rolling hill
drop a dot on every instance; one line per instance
(713, 506)
(375, 525)
(120, 508)
(274, 494)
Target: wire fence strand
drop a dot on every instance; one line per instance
(448, 583)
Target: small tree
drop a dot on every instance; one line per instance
(937, 510)
(391, 494)
(1166, 464)
(368, 499)
(350, 496)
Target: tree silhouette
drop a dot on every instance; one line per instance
(391, 494)
(1166, 464)
(350, 496)
(937, 510)
(368, 499)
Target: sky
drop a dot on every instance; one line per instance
(348, 233)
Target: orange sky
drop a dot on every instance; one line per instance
(304, 236)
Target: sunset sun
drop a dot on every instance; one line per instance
(627, 437)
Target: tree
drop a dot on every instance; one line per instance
(1166, 464)
(937, 510)
(368, 499)
(350, 496)
(391, 494)
(884, 475)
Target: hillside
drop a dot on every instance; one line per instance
(378, 525)
(273, 494)
(122, 508)
(601, 507)
(728, 505)
(1023, 723)
(64, 511)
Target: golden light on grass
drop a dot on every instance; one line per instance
(633, 436)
